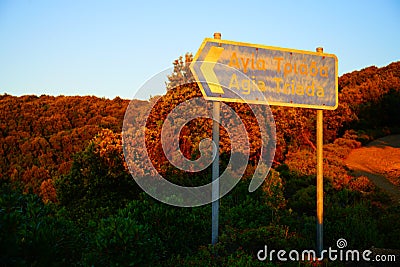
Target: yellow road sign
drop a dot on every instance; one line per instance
(241, 72)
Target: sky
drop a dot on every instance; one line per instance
(111, 48)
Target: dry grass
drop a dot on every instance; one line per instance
(380, 159)
(381, 156)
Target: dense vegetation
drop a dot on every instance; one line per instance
(66, 197)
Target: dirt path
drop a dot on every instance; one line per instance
(380, 162)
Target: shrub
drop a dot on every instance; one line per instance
(120, 240)
(32, 234)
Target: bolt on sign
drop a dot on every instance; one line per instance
(282, 76)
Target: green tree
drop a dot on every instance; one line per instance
(98, 183)
(181, 73)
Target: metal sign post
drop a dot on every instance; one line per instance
(215, 167)
(320, 176)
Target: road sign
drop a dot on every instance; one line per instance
(241, 72)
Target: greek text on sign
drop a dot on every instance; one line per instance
(241, 72)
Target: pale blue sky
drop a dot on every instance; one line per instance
(110, 48)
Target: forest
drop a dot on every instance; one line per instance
(67, 197)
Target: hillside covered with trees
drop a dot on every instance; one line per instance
(67, 197)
